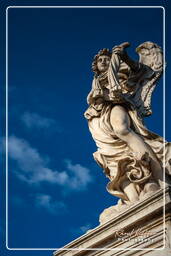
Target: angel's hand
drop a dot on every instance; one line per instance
(120, 49)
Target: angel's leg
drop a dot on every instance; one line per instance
(130, 191)
(120, 122)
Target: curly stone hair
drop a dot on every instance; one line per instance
(104, 51)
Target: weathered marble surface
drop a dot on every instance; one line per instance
(141, 226)
(130, 155)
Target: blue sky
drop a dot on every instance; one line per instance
(56, 190)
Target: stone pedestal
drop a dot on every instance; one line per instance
(142, 229)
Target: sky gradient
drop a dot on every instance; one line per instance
(56, 190)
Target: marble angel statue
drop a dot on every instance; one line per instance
(130, 155)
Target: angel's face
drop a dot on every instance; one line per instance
(103, 63)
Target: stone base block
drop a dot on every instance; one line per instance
(142, 229)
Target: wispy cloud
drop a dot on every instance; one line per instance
(79, 175)
(34, 169)
(85, 228)
(53, 207)
(34, 120)
(81, 230)
(41, 201)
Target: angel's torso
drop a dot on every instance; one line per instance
(123, 88)
(122, 76)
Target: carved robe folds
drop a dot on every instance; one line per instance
(132, 89)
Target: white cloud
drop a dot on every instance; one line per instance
(34, 120)
(46, 202)
(81, 230)
(27, 157)
(33, 168)
(81, 175)
(85, 228)
(41, 201)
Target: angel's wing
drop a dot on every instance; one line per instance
(150, 55)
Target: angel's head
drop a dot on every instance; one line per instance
(101, 61)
